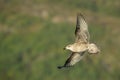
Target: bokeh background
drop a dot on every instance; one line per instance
(34, 32)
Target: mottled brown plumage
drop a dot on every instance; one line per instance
(81, 44)
(82, 37)
(73, 59)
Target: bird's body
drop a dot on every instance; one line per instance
(77, 47)
(81, 44)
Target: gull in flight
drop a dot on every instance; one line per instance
(81, 44)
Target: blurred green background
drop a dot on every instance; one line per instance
(34, 32)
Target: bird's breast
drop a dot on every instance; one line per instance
(80, 48)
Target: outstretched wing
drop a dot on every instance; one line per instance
(73, 59)
(81, 31)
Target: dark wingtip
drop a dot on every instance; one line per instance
(60, 67)
(78, 23)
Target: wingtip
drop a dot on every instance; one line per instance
(79, 14)
(60, 67)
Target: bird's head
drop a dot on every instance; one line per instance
(68, 47)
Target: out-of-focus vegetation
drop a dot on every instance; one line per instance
(34, 32)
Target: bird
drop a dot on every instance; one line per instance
(82, 43)
(82, 38)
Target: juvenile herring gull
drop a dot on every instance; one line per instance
(81, 44)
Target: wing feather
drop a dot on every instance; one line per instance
(73, 59)
(81, 31)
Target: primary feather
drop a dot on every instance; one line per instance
(81, 31)
(72, 60)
